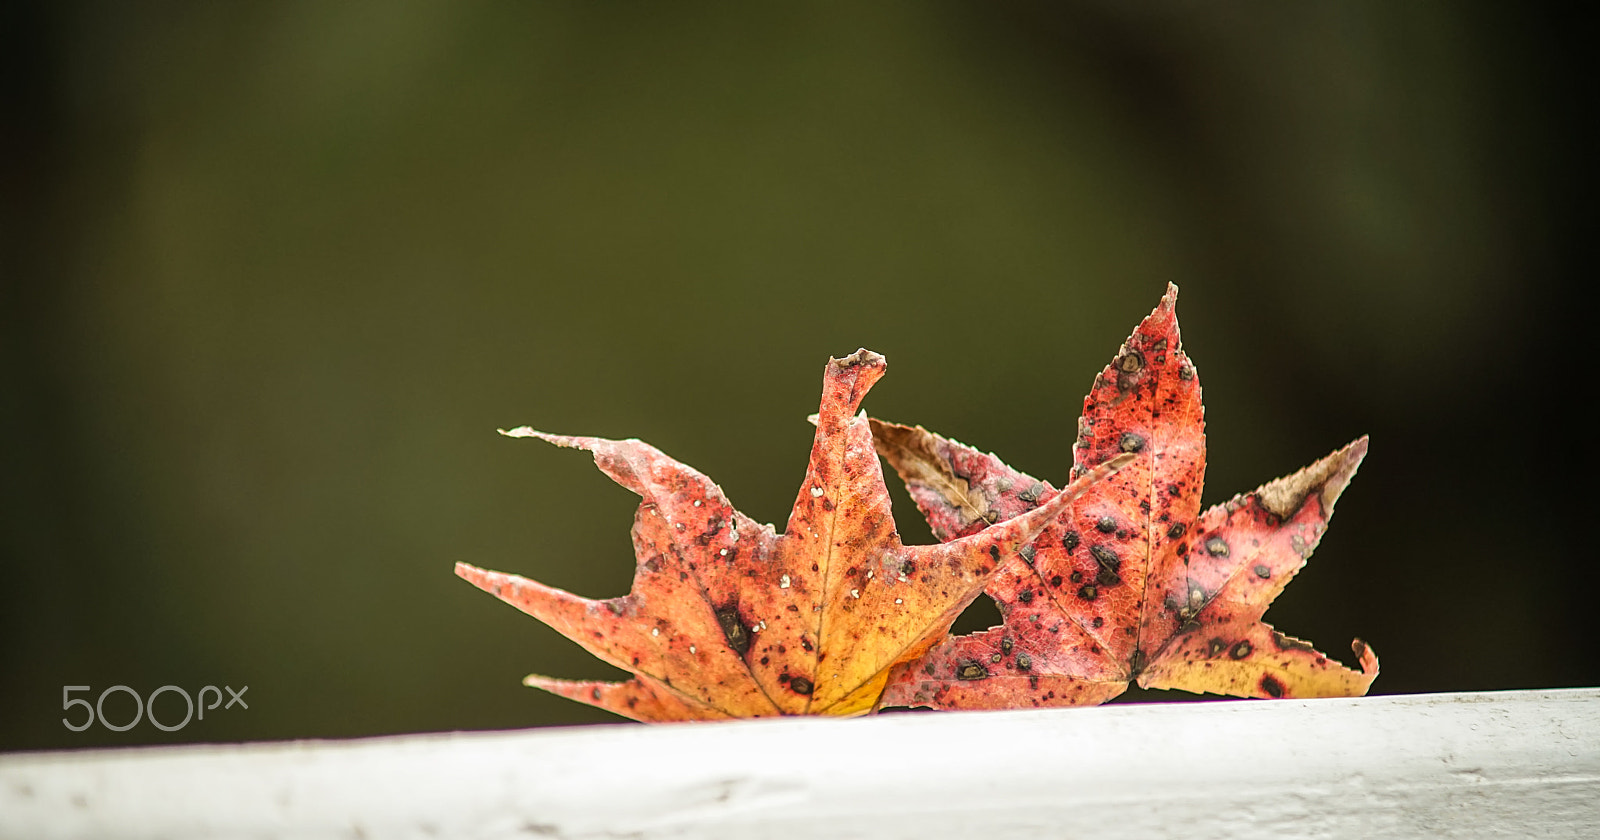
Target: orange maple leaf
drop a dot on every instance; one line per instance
(1132, 581)
(727, 619)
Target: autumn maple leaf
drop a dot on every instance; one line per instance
(728, 619)
(1132, 581)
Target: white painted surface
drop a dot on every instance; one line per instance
(1509, 764)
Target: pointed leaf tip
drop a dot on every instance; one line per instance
(1327, 479)
(473, 575)
(641, 698)
(567, 441)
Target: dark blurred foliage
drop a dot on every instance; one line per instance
(274, 273)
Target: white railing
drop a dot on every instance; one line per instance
(1503, 764)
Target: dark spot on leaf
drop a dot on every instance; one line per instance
(1106, 558)
(1087, 593)
(765, 660)
(1131, 362)
(1240, 649)
(1186, 372)
(800, 685)
(1175, 531)
(994, 551)
(1070, 540)
(1055, 580)
(1033, 681)
(1024, 661)
(1106, 525)
(928, 669)
(1271, 686)
(1032, 494)
(1005, 644)
(907, 567)
(1130, 442)
(737, 634)
(1216, 547)
(1027, 553)
(595, 694)
(713, 527)
(969, 669)
(1136, 662)
(1077, 577)
(1097, 623)
(1108, 578)
(616, 607)
(1025, 596)
(1263, 572)
(827, 504)
(994, 658)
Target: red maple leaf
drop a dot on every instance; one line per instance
(727, 618)
(1132, 582)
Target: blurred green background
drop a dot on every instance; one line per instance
(275, 272)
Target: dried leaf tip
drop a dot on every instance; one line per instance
(862, 356)
(1327, 478)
